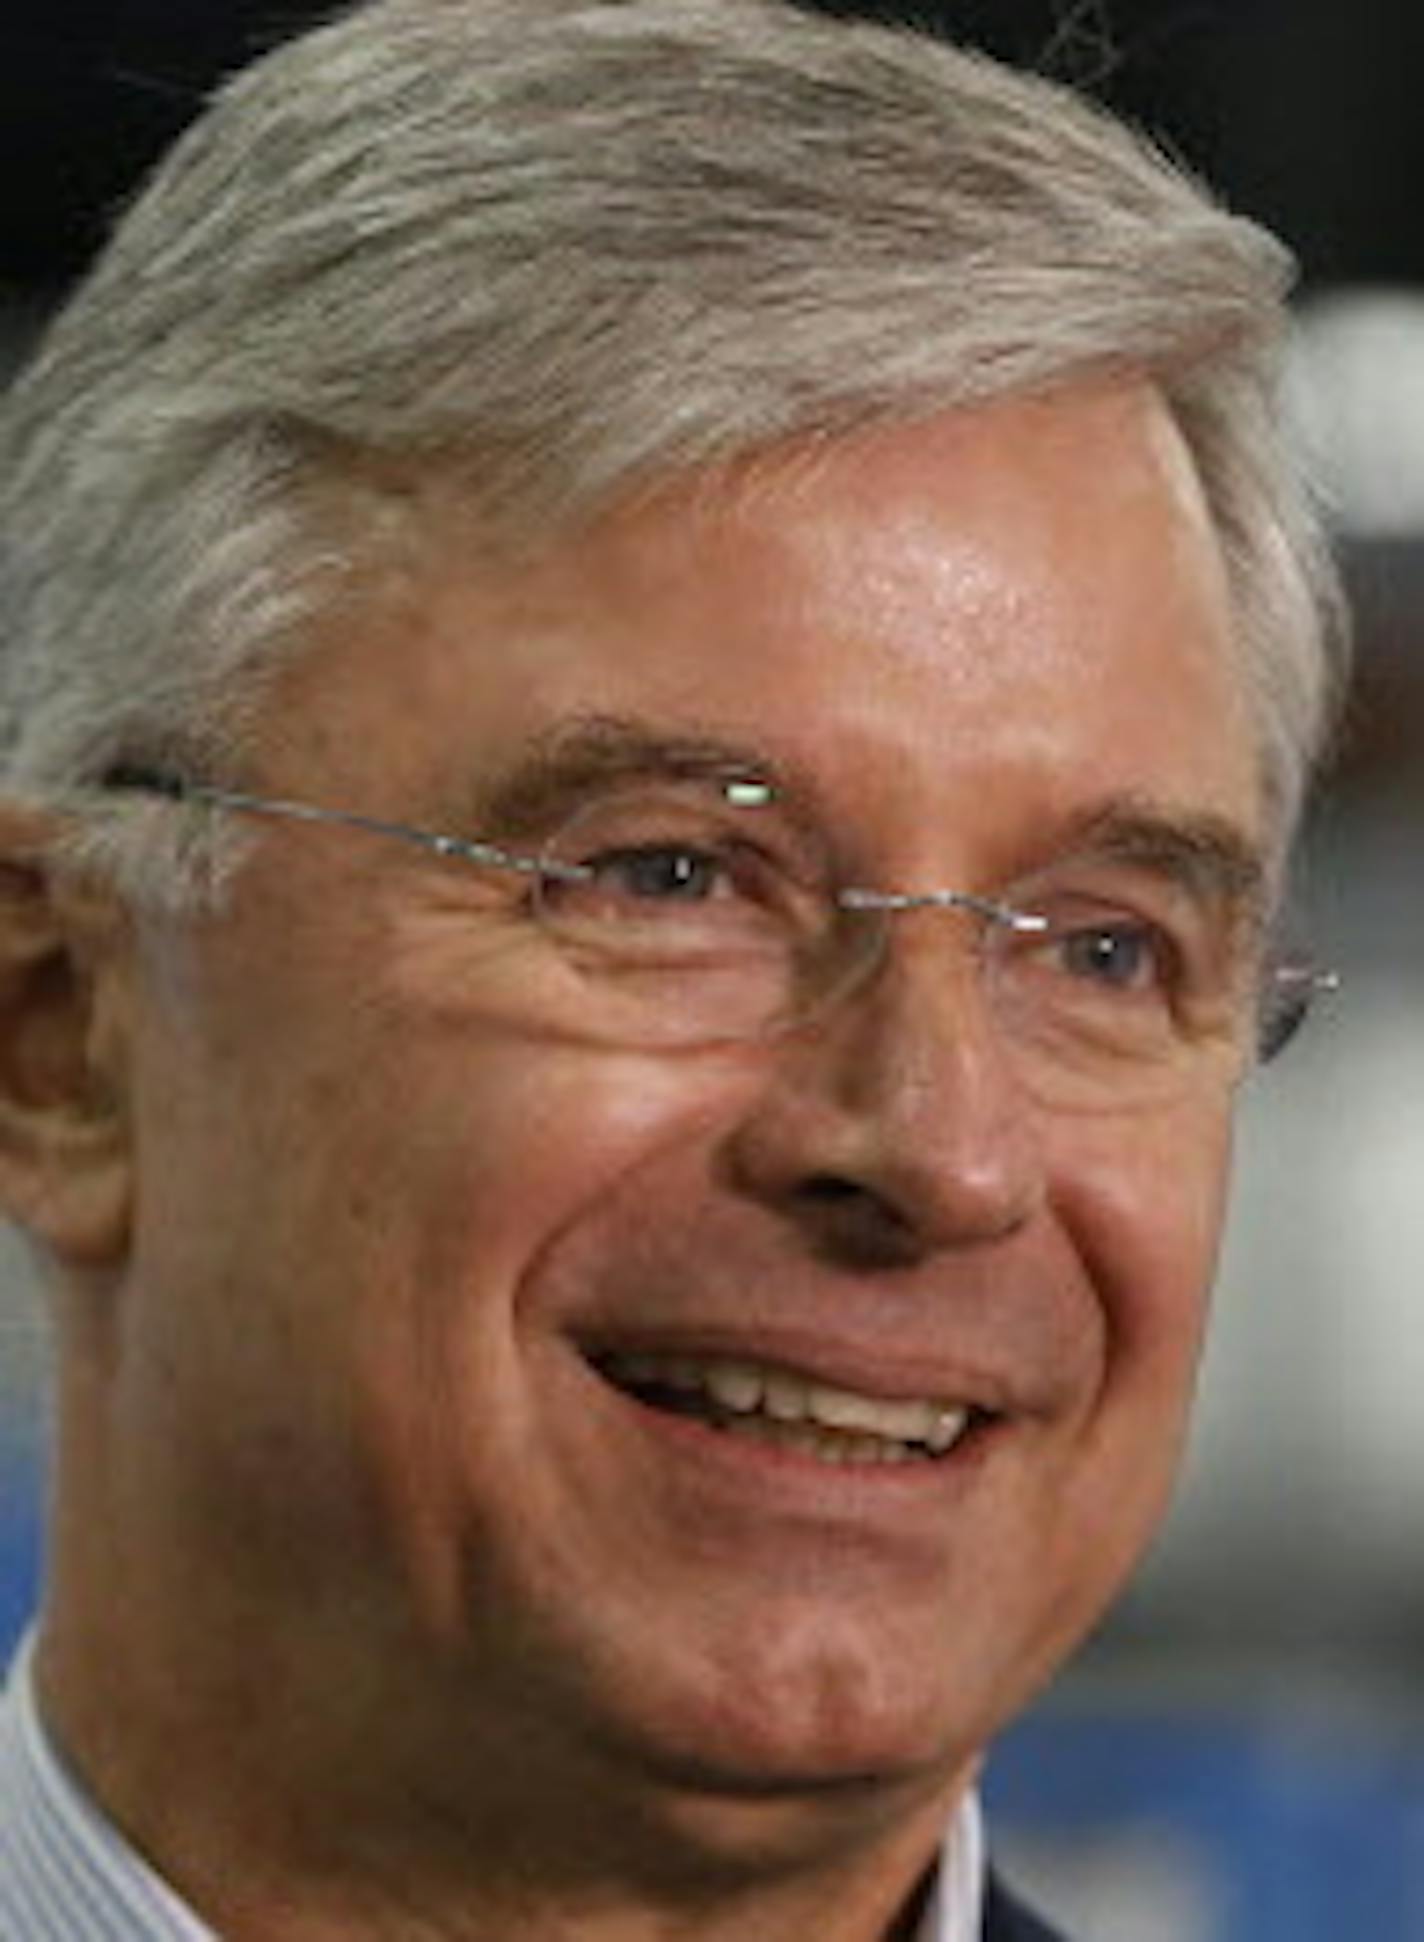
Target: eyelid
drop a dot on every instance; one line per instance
(1157, 893)
(681, 798)
(739, 811)
(1191, 937)
(1212, 861)
(579, 761)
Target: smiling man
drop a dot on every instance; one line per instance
(659, 664)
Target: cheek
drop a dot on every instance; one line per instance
(435, 1204)
(1144, 1215)
(1144, 1204)
(355, 1292)
(513, 1145)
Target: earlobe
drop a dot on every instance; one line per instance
(64, 1161)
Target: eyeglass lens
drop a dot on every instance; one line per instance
(693, 913)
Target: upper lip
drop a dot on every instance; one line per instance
(868, 1370)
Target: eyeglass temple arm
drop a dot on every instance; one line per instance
(157, 782)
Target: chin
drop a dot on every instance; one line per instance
(773, 1722)
(746, 1799)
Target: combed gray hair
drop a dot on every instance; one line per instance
(542, 252)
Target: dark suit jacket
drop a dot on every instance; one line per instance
(1007, 1920)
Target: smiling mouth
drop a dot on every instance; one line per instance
(773, 1405)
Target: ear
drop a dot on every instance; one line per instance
(64, 1149)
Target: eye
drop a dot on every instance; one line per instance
(666, 880)
(691, 895)
(1101, 981)
(678, 875)
(662, 872)
(1121, 955)
(1099, 955)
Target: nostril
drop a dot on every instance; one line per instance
(854, 1227)
(831, 1189)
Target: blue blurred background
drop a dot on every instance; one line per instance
(1239, 1756)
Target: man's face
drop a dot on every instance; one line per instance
(393, 1219)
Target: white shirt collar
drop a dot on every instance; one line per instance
(68, 1875)
(955, 1911)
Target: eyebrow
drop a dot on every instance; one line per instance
(1207, 855)
(579, 757)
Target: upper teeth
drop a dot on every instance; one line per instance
(745, 1388)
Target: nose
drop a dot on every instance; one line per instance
(894, 1127)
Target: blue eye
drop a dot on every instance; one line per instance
(1121, 956)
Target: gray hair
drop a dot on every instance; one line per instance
(540, 253)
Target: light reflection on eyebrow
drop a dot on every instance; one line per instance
(563, 766)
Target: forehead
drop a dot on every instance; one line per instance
(1026, 598)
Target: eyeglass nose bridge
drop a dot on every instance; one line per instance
(879, 906)
(892, 902)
